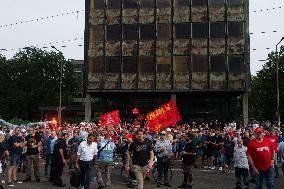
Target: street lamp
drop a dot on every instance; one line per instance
(277, 81)
(60, 84)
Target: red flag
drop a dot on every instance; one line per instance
(110, 119)
(163, 116)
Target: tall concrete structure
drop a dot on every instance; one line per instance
(142, 53)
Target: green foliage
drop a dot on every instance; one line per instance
(31, 79)
(16, 121)
(263, 97)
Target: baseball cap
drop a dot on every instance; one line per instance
(163, 133)
(258, 130)
(169, 130)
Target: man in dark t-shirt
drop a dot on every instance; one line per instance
(142, 155)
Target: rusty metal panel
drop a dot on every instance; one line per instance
(199, 80)
(199, 46)
(181, 64)
(236, 45)
(113, 16)
(181, 14)
(199, 14)
(129, 48)
(236, 80)
(112, 81)
(95, 49)
(96, 17)
(128, 81)
(182, 47)
(112, 48)
(217, 46)
(181, 81)
(146, 48)
(95, 80)
(146, 81)
(164, 48)
(146, 15)
(129, 16)
(217, 14)
(235, 14)
(164, 15)
(163, 81)
(217, 80)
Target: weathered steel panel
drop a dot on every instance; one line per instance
(112, 81)
(164, 48)
(96, 17)
(95, 81)
(199, 46)
(199, 80)
(236, 45)
(129, 48)
(182, 47)
(181, 64)
(95, 49)
(146, 81)
(217, 46)
(181, 14)
(113, 16)
(217, 80)
(235, 14)
(112, 48)
(146, 15)
(236, 80)
(163, 81)
(164, 15)
(146, 48)
(128, 81)
(129, 16)
(199, 14)
(181, 81)
(217, 14)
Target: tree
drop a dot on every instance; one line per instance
(263, 97)
(33, 80)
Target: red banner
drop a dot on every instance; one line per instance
(110, 119)
(163, 116)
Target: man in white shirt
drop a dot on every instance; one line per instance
(280, 150)
(86, 157)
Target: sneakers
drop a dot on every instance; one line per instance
(18, 182)
(220, 168)
(11, 184)
(205, 167)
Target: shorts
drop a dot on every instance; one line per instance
(14, 160)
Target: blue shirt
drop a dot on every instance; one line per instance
(106, 155)
(15, 150)
(50, 145)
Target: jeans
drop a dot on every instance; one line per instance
(106, 168)
(140, 173)
(268, 176)
(47, 163)
(33, 159)
(162, 167)
(86, 172)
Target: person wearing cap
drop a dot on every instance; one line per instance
(169, 135)
(163, 149)
(261, 155)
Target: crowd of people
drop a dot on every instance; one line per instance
(253, 152)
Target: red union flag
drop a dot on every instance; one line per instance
(163, 116)
(110, 119)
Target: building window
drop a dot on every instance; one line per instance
(217, 30)
(129, 64)
(217, 2)
(199, 30)
(182, 3)
(130, 32)
(182, 31)
(233, 3)
(163, 3)
(199, 2)
(218, 64)
(98, 33)
(181, 64)
(97, 64)
(236, 63)
(99, 4)
(147, 32)
(235, 29)
(147, 64)
(147, 3)
(130, 4)
(164, 64)
(113, 32)
(114, 4)
(199, 63)
(112, 64)
(164, 32)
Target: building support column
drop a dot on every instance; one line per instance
(245, 108)
(174, 97)
(88, 108)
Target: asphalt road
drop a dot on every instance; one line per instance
(203, 179)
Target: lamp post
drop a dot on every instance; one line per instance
(60, 85)
(277, 82)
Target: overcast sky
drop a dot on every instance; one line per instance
(68, 29)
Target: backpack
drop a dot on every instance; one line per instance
(75, 180)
